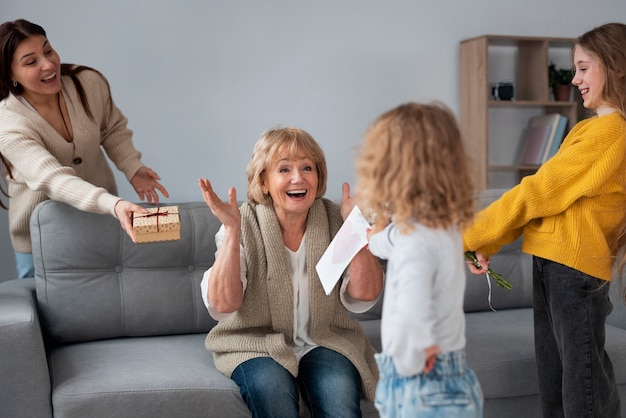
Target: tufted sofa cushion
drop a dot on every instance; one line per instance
(93, 282)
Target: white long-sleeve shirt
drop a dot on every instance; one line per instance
(424, 291)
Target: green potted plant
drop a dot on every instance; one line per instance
(560, 82)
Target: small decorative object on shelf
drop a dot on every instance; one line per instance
(504, 90)
(560, 82)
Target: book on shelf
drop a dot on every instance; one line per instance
(536, 140)
(555, 140)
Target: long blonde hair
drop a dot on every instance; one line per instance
(607, 42)
(412, 167)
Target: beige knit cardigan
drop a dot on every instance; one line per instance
(41, 159)
(263, 326)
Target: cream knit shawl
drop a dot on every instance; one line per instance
(263, 326)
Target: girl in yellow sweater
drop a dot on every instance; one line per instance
(569, 213)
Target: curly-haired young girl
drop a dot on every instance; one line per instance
(413, 176)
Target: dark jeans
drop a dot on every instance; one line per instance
(575, 373)
(329, 383)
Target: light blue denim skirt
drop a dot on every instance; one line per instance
(450, 389)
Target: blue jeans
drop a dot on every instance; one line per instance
(450, 389)
(575, 373)
(25, 265)
(329, 383)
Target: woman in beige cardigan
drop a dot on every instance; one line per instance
(279, 335)
(55, 119)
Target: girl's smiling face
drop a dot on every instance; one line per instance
(291, 181)
(589, 77)
(37, 67)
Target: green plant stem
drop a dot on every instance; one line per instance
(500, 281)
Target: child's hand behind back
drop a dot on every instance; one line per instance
(431, 358)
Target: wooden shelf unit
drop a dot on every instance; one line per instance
(532, 57)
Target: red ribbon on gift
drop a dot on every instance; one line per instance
(157, 214)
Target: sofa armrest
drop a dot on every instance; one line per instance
(618, 298)
(25, 383)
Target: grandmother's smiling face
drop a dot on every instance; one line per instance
(291, 181)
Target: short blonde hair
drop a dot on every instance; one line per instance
(266, 150)
(412, 167)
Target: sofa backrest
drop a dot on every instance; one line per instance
(516, 268)
(93, 282)
(510, 262)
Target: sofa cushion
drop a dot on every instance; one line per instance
(163, 376)
(93, 282)
(500, 349)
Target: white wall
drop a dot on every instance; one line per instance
(201, 80)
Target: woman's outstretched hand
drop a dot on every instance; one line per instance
(145, 182)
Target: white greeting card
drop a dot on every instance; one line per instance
(351, 237)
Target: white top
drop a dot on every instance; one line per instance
(302, 342)
(424, 292)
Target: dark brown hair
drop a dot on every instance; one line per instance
(12, 34)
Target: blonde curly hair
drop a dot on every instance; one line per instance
(412, 167)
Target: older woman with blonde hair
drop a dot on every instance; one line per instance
(279, 336)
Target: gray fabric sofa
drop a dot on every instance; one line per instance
(113, 329)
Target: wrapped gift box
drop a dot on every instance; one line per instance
(159, 224)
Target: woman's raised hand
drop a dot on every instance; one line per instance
(227, 213)
(347, 203)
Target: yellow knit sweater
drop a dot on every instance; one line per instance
(569, 208)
